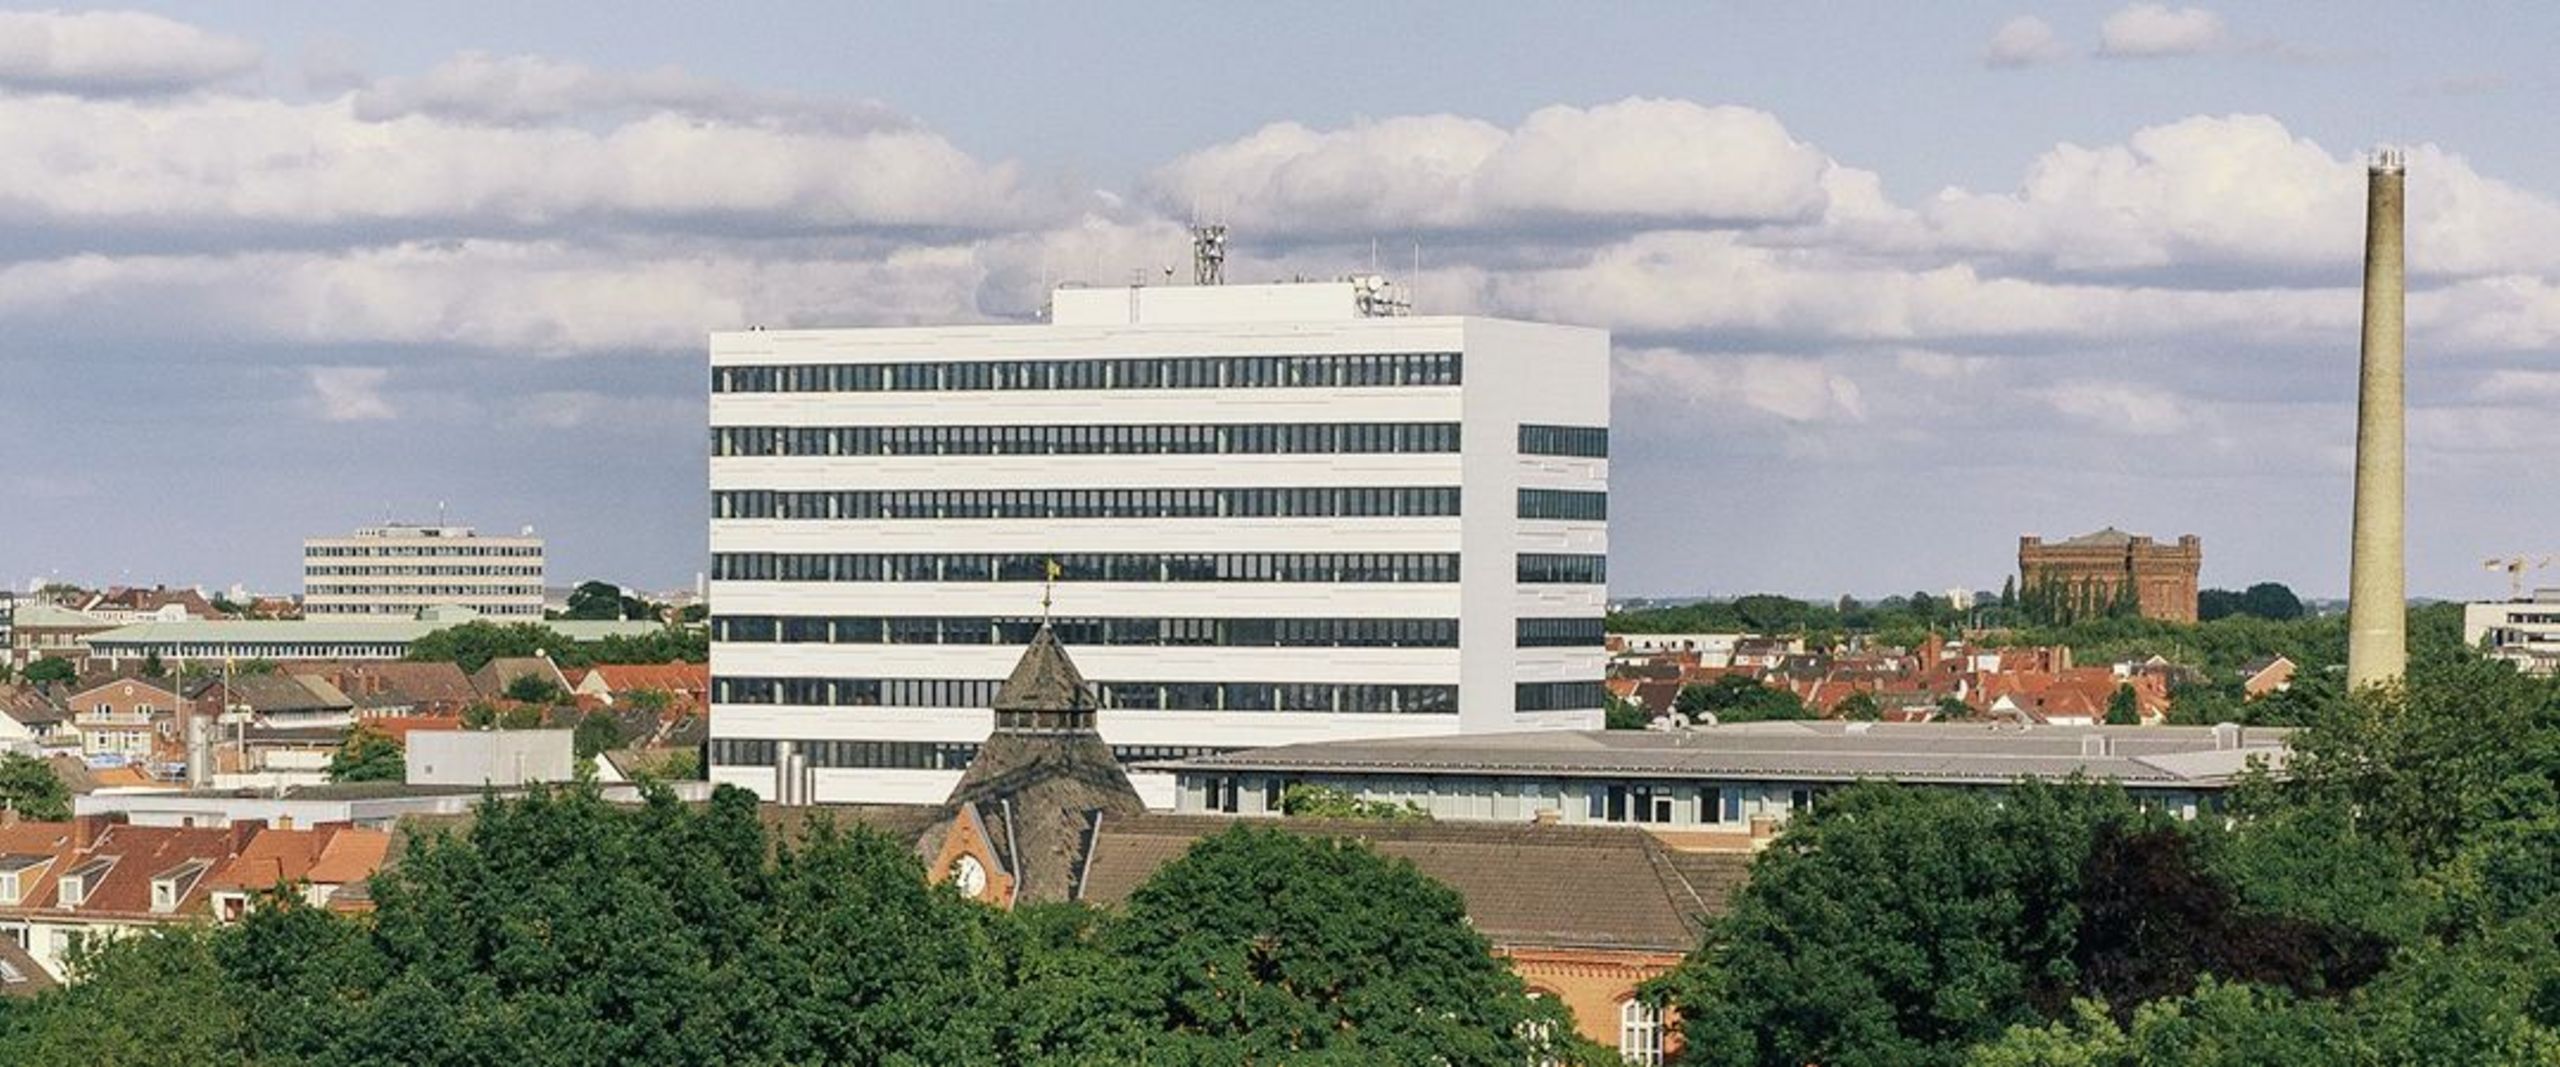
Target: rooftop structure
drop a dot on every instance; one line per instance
(1272, 513)
(396, 570)
(309, 639)
(1716, 780)
(2524, 631)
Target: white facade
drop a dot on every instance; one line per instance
(1277, 521)
(396, 570)
(2523, 632)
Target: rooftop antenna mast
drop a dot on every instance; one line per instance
(1209, 254)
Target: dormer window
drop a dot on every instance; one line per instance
(169, 888)
(17, 875)
(73, 889)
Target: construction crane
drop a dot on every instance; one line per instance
(2516, 568)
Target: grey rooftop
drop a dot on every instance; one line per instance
(1822, 751)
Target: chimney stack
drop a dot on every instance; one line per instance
(2377, 580)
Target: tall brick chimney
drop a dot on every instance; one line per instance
(2377, 579)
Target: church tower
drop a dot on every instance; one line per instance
(1020, 823)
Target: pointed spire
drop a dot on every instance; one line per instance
(1045, 691)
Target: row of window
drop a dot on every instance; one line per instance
(1348, 698)
(370, 589)
(907, 755)
(1158, 632)
(1207, 439)
(1087, 567)
(1319, 502)
(1562, 568)
(1557, 696)
(1578, 504)
(1178, 372)
(1561, 633)
(444, 549)
(1590, 442)
(397, 570)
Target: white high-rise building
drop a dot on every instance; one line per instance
(1276, 513)
(395, 570)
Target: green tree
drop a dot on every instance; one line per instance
(29, 787)
(368, 755)
(1859, 707)
(606, 601)
(1310, 801)
(520, 717)
(2124, 708)
(479, 715)
(50, 669)
(152, 667)
(1739, 698)
(532, 688)
(1619, 713)
(1260, 946)
(1952, 709)
(597, 732)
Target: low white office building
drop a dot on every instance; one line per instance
(2524, 631)
(1274, 513)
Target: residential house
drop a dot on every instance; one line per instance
(128, 716)
(315, 865)
(2266, 675)
(491, 681)
(687, 685)
(33, 717)
(395, 688)
(62, 883)
(125, 607)
(42, 630)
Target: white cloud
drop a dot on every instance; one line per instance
(2024, 41)
(206, 164)
(1794, 389)
(2152, 31)
(1718, 283)
(2124, 407)
(115, 53)
(1668, 161)
(2241, 190)
(349, 394)
(519, 90)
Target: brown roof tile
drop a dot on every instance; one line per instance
(1524, 884)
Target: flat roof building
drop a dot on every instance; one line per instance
(396, 570)
(1715, 781)
(2524, 631)
(310, 639)
(1272, 514)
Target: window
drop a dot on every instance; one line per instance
(1585, 441)
(1082, 440)
(1557, 696)
(1569, 504)
(1561, 633)
(1640, 1033)
(1549, 568)
(1321, 567)
(1331, 502)
(1184, 372)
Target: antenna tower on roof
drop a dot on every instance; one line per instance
(1209, 254)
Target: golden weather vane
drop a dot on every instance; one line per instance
(1048, 587)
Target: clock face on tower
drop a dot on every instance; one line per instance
(969, 876)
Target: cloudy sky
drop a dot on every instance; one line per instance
(1891, 283)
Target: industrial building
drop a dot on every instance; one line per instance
(1260, 514)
